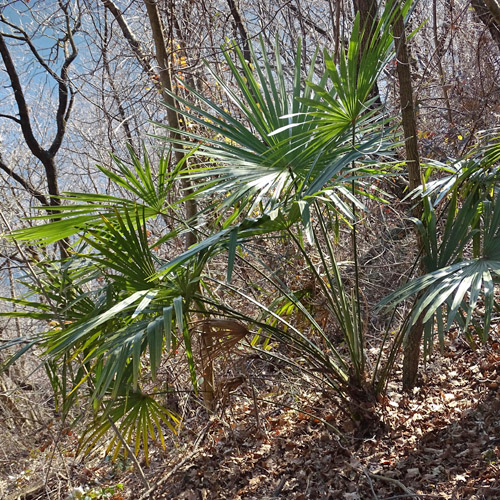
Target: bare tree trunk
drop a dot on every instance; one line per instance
(45, 155)
(173, 118)
(368, 18)
(241, 28)
(486, 15)
(165, 83)
(414, 337)
(494, 8)
(439, 43)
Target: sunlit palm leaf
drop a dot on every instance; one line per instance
(279, 151)
(81, 212)
(123, 249)
(478, 170)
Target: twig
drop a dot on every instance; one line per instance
(371, 475)
(396, 482)
(370, 482)
(421, 495)
(278, 489)
(132, 454)
(165, 478)
(256, 409)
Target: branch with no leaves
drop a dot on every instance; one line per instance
(64, 105)
(65, 89)
(24, 37)
(22, 106)
(24, 183)
(129, 36)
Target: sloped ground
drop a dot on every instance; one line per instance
(442, 442)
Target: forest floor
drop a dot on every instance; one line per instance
(442, 441)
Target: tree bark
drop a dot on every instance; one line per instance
(173, 119)
(485, 12)
(233, 8)
(494, 8)
(165, 82)
(368, 17)
(407, 106)
(46, 156)
(414, 336)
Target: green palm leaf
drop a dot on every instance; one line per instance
(279, 149)
(81, 212)
(123, 249)
(137, 415)
(457, 283)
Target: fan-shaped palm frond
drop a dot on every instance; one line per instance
(478, 170)
(138, 415)
(348, 107)
(283, 141)
(105, 312)
(455, 282)
(283, 147)
(84, 211)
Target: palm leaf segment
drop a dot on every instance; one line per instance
(464, 265)
(284, 140)
(147, 194)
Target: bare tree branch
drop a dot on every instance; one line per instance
(485, 15)
(25, 38)
(10, 117)
(22, 106)
(233, 8)
(310, 23)
(130, 37)
(64, 108)
(24, 183)
(65, 103)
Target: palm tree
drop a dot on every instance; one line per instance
(116, 306)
